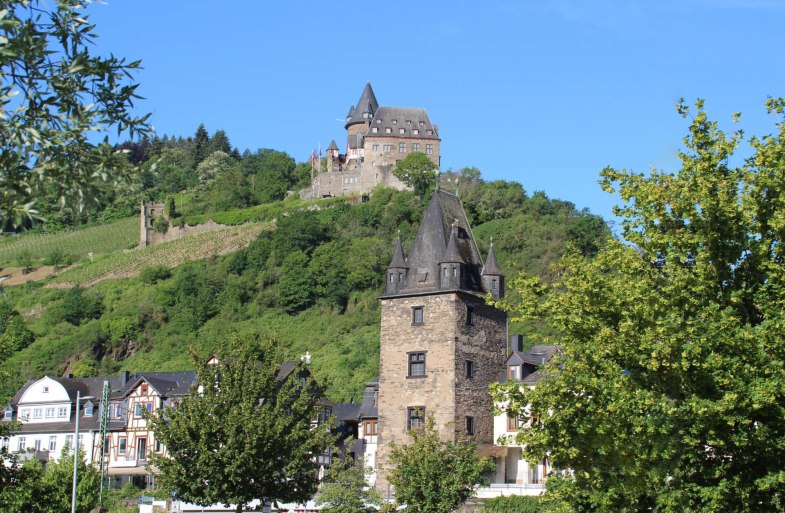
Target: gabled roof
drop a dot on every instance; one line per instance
(531, 361)
(366, 104)
(333, 145)
(406, 118)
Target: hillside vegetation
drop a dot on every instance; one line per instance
(313, 276)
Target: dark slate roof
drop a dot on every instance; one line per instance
(286, 369)
(397, 118)
(443, 213)
(491, 268)
(332, 146)
(451, 252)
(346, 412)
(398, 259)
(366, 103)
(531, 360)
(368, 408)
(167, 384)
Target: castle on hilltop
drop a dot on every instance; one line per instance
(377, 138)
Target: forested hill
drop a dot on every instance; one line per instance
(312, 276)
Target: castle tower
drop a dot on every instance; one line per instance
(441, 345)
(333, 157)
(357, 122)
(492, 277)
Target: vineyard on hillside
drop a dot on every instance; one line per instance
(100, 240)
(169, 254)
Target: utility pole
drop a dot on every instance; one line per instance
(76, 454)
(103, 431)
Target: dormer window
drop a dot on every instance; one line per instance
(429, 132)
(514, 373)
(8, 414)
(388, 130)
(422, 123)
(88, 409)
(408, 121)
(395, 121)
(375, 130)
(416, 131)
(401, 131)
(379, 121)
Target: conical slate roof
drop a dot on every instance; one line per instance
(451, 253)
(444, 233)
(491, 267)
(398, 260)
(366, 104)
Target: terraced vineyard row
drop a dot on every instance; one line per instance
(99, 240)
(169, 254)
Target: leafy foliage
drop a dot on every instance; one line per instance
(54, 91)
(514, 504)
(432, 476)
(247, 435)
(418, 172)
(344, 488)
(668, 396)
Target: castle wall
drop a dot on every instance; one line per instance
(360, 180)
(375, 153)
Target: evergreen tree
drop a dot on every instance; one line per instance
(220, 142)
(201, 145)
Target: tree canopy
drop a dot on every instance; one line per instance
(344, 488)
(418, 172)
(433, 476)
(668, 396)
(247, 434)
(53, 94)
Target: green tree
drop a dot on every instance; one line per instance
(418, 172)
(668, 396)
(202, 146)
(220, 142)
(34, 489)
(54, 92)
(247, 435)
(344, 488)
(432, 476)
(211, 168)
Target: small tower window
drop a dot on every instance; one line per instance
(417, 364)
(415, 417)
(418, 317)
(469, 425)
(469, 369)
(493, 284)
(469, 315)
(454, 271)
(392, 277)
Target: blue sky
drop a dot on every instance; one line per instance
(544, 93)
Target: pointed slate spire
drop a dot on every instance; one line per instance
(451, 253)
(491, 267)
(398, 259)
(366, 107)
(333, 146)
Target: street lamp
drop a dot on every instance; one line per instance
(76, 449)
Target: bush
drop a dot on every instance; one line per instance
(513, 504)
(153, 274)
(160, 224)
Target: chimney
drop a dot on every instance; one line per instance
(517, 343)
(124, 377)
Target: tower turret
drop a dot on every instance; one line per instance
(492, 277)
(397, 271)
(451, 265)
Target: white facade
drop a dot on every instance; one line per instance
(45, 412)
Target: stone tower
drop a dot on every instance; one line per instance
(441, 344)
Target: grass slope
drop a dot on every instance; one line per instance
(101, 240)
(169, 254)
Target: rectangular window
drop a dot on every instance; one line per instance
(50, 413)
(375, 130)
(388, 130)
(469, 315)
(387, 148)
(375, 147)
(117, 410)
(415, 146)
(429, 149)
(144, 389)
(4, 443)
(402, 131)
(69, 441)
(416, 131)
(8, 414)
(514, 372)
(62, 412)
(52, 443)
(141, 448)
(37, 413)
(159, 447)
(469, 369)
(416, 365)
(21, 444)
(138, 410)
(80, 440)
(370, 427)
(401, 147)
(512, 424)
(469, 425)
(24, 414)
(149, 407)
(37, 444)
(122, 444)
(415, 417)
(417, 315)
